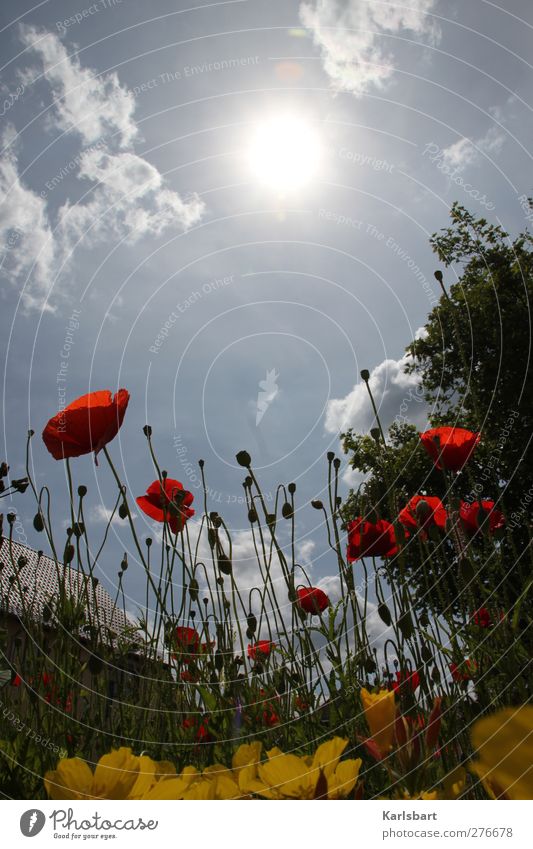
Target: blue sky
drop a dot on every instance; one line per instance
(142, 225)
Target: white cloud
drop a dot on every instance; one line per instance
(465, 152)
(24, 230)
(100, 514)
(128, 201)
(350, 35)
(397, 395)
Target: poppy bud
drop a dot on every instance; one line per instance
(82, 491)
(317, 505)
(224, 564)
(405, 624)
(271, 520)
(148, 542)
(292, 488)
(244, 459)
(38, 522)
(330, 456)
(4, 469)
(124, 562)
(375, 434)
(252, 516)
(78, 529)
(427, 656)
(433, 729)
(201, 463)
(251, 621)
(438, 275)
(336, 463)
(123, 510)
(211, 537)
(147, 430)
(194, 589)
(11, 518)
(365, 375)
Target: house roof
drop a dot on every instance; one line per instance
(30, 583)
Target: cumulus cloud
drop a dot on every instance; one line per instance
(398, 397)
(127, 198)
(352, 36)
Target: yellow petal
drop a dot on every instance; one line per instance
(289, 776)
(504, 743)
(116, 774)
(249, 754)
(344, 779)
(145, 778)
(73, 779)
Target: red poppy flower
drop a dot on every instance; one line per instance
(421, 511)
(312, 599)
(86, 425)
(187, 640)
(202, 732)
(406, 679)
(261, 649)
(482, 618)
(369, 539)
(16, 681)
(469, 514)
(270, 717)
(167, 500)
(449, 447)
(464, 671)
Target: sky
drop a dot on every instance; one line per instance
(225, 208)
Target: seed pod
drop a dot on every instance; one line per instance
(317, 505)
(292, 488)
(78, 529)
(123, 510)
(194, 589)
(147, 430)
(68, 554)
(271, 520)
(365, 375)
(384, 614)
(252, 516)
(405, 624)
(124, 562)
(82, 491)
(38, 522)
(426, 653)
(224, 564)
(251, 621)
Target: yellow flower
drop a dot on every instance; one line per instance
(291, 777)
(380, 713)
(118, 775)
(504, 744)
(454, 783)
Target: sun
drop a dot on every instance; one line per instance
(284, 153)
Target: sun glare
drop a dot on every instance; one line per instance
(284, 153)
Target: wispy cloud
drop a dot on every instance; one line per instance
(397, 395)
(352, 36)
